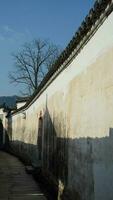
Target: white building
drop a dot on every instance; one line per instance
(4, 122)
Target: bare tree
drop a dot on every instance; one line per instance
(32, 63)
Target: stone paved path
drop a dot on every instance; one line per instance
(15, 183)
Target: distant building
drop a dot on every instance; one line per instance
(3, 121)
(21, 101)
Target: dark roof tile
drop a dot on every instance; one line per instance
(93, 16)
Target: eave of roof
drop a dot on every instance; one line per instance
(22, 99)
(82, 35)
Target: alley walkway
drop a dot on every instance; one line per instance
(15, 183)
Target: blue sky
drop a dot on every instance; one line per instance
(23, 20)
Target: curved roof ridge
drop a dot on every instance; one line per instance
(93, 16)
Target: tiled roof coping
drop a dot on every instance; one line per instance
(96, 16)
(22, 99)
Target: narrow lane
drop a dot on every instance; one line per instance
(15, 183)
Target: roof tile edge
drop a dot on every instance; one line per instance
(94, 15)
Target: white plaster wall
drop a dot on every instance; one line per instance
(81, 97)
(20, 104)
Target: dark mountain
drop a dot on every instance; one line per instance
(9, 101)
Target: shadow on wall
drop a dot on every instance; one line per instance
(81, 168)
(4, 139)
(9, 127)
